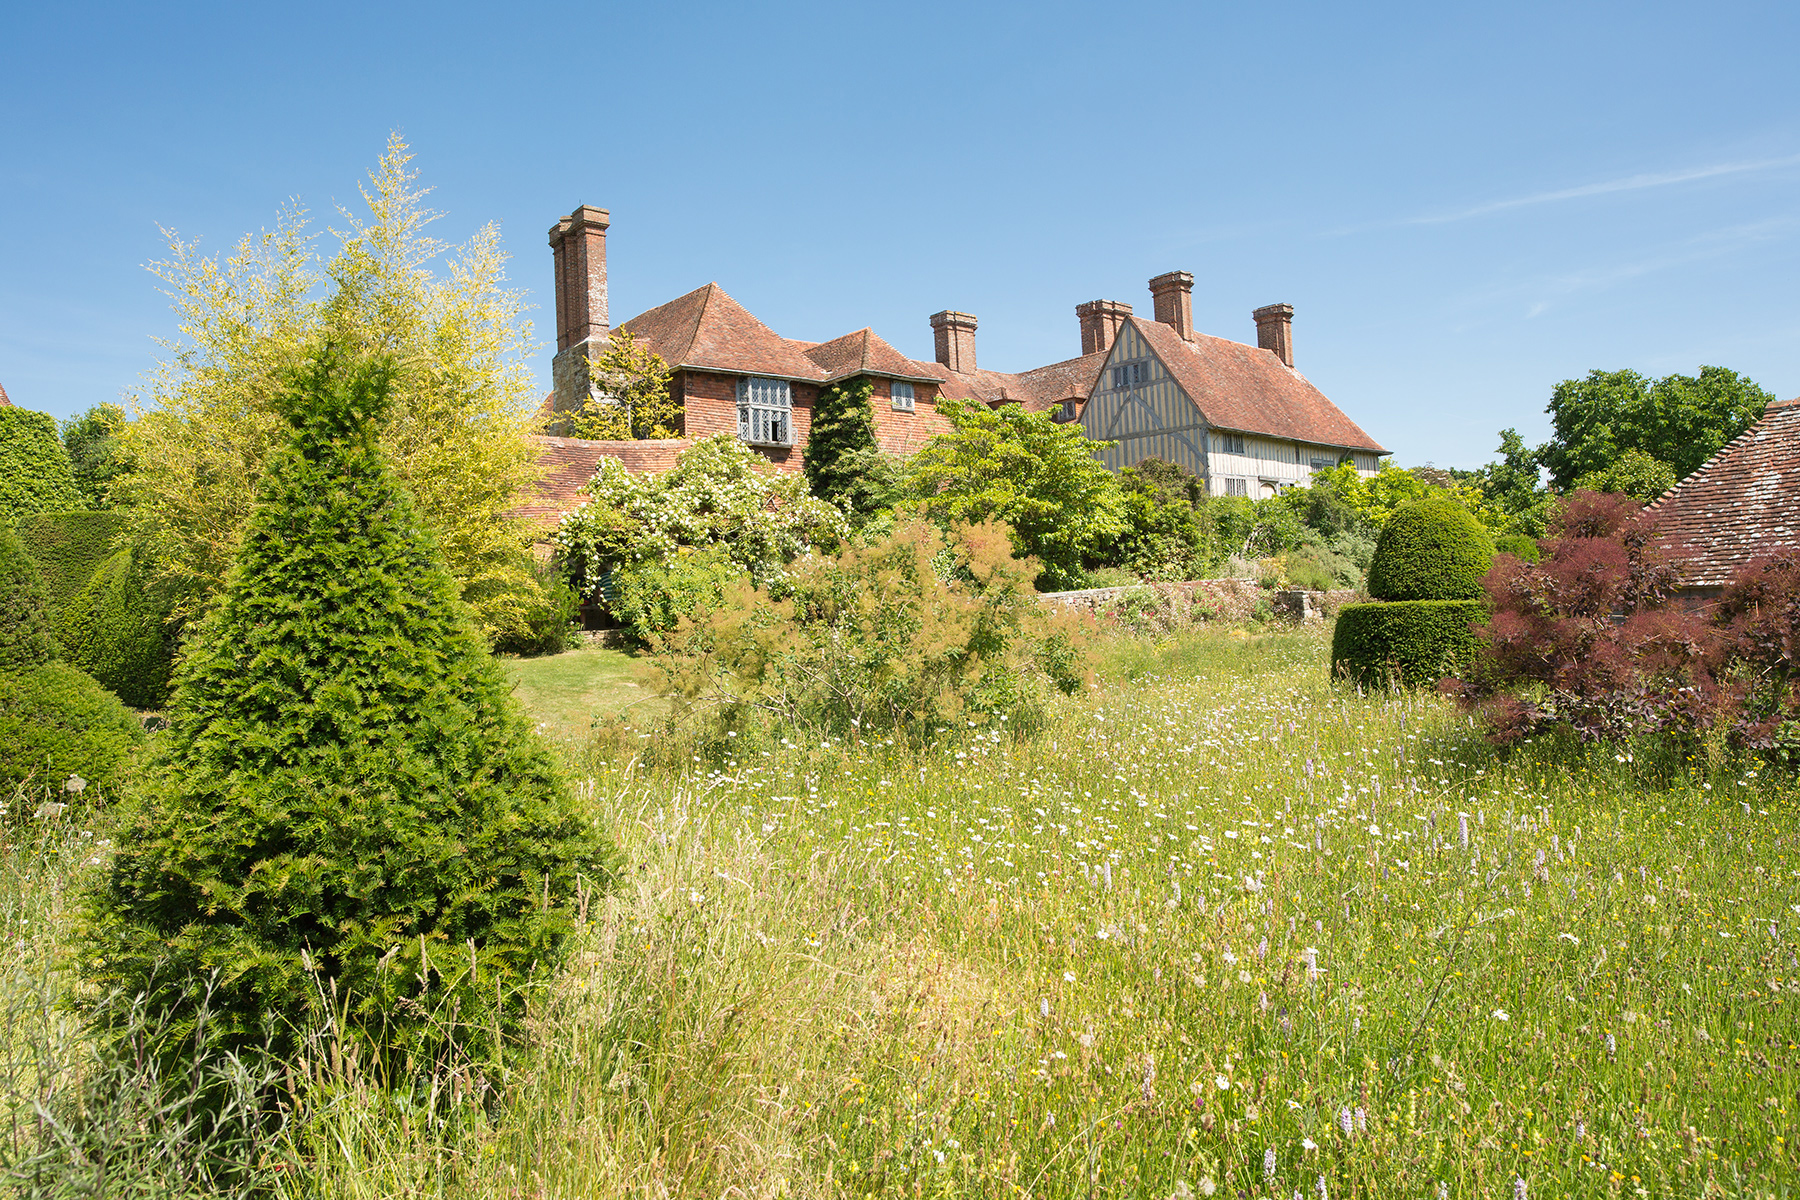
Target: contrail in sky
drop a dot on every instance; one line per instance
(1630, 183)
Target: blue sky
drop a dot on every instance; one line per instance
(1464, 204)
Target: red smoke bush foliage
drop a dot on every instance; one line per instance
(1583, 639)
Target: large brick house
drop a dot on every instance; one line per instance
(1238, 416)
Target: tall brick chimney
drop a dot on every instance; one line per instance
(578, 243)
(1275, 330)
(953, 335)
(1101, 321)
(1173, 294)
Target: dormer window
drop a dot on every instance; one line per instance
(765, 411)
(903, 396)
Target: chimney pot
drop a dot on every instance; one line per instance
(578, 245)
(1275, 330)
(1173, 295)
(953, 337)
(1101, 321)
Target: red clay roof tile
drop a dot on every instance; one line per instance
(1247, 389)
(1741, 505)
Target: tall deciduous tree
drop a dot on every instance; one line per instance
(462, 404)
(1038, 476)
(1681, 420)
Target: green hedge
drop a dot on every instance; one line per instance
(69, 547)
(27, 636)
(56, 722)
(117, 632)
(1431, 549)
(1412, 642)
(35, 475)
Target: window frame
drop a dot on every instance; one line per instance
(765, 405)
(1229, 443)
(906, 404)
(1237, 485)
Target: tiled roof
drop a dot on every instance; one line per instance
(707, 329)
(1741, 505)
(864, 353)
(4, 401)
(569, 463)
(1247, 389)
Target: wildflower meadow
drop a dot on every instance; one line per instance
(1223, 927)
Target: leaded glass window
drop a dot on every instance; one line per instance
(765, 411)
(903, 396)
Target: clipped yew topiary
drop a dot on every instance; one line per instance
(1431, 549)
(69, 547)
(1404, 643)
(26, 637)
(54, 721)
(348, 807)
(35, 475)
(116, 631)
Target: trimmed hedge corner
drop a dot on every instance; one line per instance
(117, 632)
(1431, 549)
(68, 548)
(1410, 642)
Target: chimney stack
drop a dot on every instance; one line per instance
(1275, 330)
(578, 244)
(1173, 295)
(1101, 321)
(953, 334)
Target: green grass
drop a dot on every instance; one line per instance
(566, 692)
(1219, 916)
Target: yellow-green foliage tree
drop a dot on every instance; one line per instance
(630, 398)
(463, 400)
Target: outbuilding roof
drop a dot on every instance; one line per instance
(1741, 505)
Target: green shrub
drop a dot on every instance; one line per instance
(1412, 643)
(69, 547)
(1305, 569)
(915, 633)
(650, 598)
(348, 808)
(27, 638)
(35, 475)
(549, 624)
(116, 631)
(1521, 546)
(1431, 549)
(56, 722)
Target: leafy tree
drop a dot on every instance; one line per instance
(1633, 474)
(1680, 420)
(1169, 534)
(348, 808)
(95, 451)
(35, 475)
(1038, 476)
(1376, 498)
(1513, 487)
(463, 402)
(629, 397)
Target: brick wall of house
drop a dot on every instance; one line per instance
(902, 433)
(709, 406)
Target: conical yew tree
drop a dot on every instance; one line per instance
(348, 815)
